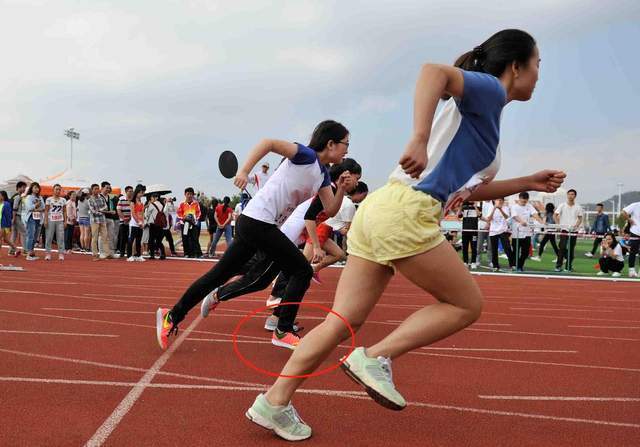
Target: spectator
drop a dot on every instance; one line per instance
(169, 211)
(55, 215)
(259, 179)
(223, 216)
(111, 214)
(497, 219)
(211, 222)
(612, 258)
(32, 217)
(632, 215)
(156, 220)
(549, 235)
(97, 208)
(469, 213)
(124, 216)
(136, 223)
(483, 233)
(522, 214)
(202, 203)
(71, 221)
(244, 199)
(18, 226)
(569, 216)
(452, 238)
(83, 221)
(599, 228)
(6, 216)
(189, 215)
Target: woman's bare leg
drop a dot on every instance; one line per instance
(354, 303)
(439, 272)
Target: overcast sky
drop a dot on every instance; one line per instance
(157, 89)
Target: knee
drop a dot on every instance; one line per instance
(473, 309)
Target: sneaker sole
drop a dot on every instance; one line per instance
(159, 328)
(205, 306)
(376, 396)
(282, 344)
(264, 423)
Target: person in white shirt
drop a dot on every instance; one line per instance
(632, 214)
(569, 216)
(483, 232)
(612, 258)
(497, 219)
(522, 216)
(259, 179)
(55, 215)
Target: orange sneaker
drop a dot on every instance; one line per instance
(164, 327)
(288, 340)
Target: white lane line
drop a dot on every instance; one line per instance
(58, 333)
(119, 323)
(100, 311)
(348, 395)
(549, 334)
(22, 281)
(225, 340)
(112, 422)
(127, 368)
(554, 310)
(474, 324)
(607, 327)
(551, 351)
(564, 398)
(559, 317)
(529, 362)
(65, 295)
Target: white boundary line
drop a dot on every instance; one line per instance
(542, 309)
(550, 334)
(57, 333)
(111, 423)
(564, 398)
(607, 327)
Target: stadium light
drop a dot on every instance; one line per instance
(620, 185)
(72, 135)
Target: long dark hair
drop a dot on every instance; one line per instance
(139, 189)
(4, 195)
(494, 55)
(225, 203)
(348, 164)
(549, 208)
(30, 190)
(614, 241)
(326, 131)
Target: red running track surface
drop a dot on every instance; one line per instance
(550, 363)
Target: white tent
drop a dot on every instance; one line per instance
(10, 185)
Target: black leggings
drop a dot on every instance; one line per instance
(520, 248)
(634, 245)
(156, 234)
(469, 238)
(607, 264)
(68, 236)
(252, 236)
(502, 237)
(566, 254)
(596, 242)
(123, 238)
(135, 235)
(169, 237)
(551, 238)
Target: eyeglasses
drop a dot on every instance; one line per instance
(346, 143)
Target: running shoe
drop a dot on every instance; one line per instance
(32, 258)
(60, 257)
(284, 421)
(316, 278)
(140, 259)
(47, 257)
(474, 266)
(131, 259)
(288, 340)
(209, 303)
(557, 269)
(633, 273)
(376, 376)
(601, 273)
(271, 323)
(273, 301)
(164, 327)
(616, 274)
(589, 254)
(536, 258)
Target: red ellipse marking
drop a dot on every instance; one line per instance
(266, 372)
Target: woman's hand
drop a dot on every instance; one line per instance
(318, 254)
(548, 180)
(414, 158)
(241, 180)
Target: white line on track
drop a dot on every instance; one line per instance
(58, 333)
(226, 340)
(545, 351)
(607, 327)
(564, 310)
(564, 398)
(474, 324)
(112, 422)
(65, 295)
(342, 394)
(548, 334)
(529, 362)
(559, 317)
(100, 311)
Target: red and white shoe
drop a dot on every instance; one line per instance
(164, 327)
(289, 340)
(316, 278)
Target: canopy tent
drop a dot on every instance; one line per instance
(10, 185)
(69, 181)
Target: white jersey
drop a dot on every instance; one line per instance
(344, 216)
(293, 227)
(633, 211)
(56, 207)
(293, 182)
(498, 223)
(525, 212)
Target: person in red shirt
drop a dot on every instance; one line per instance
(223, 216)
(189, 214)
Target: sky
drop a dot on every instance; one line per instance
(158, 89)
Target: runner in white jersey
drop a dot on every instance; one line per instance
(54, 219)
(299, 177)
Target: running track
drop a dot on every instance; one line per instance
(550, 363)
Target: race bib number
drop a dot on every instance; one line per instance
(37, 215)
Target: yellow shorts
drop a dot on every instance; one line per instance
(395, 222)
(6, 232)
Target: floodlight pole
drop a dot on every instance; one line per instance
(620, 185)
(71, 134)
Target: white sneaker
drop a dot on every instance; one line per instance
(589, 254)
(271, 323)
(32, 258)
(601, 273)
(503, 256)
(140, 259)
(616, 274)
(47, 257)
(536, 258)
(117, 256)
(474, 266)
(209, 303)
(273, 301)
(131, 259)
(555, 260)
(60, 257)
(633, 273)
